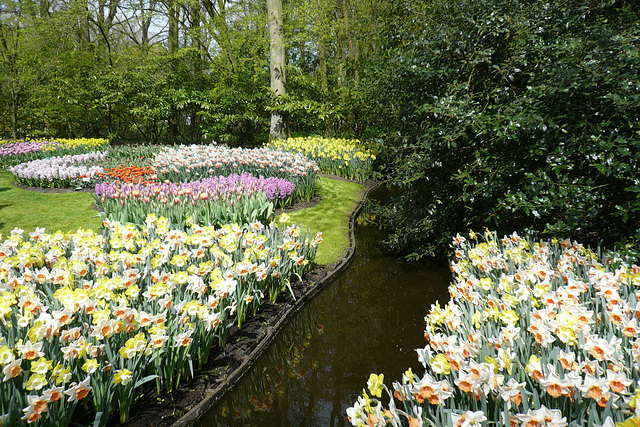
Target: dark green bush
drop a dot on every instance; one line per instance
(512, 115)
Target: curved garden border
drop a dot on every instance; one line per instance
(319, 277)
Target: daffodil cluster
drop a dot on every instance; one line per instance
(349, 158)
(88, 315)
(535, 334)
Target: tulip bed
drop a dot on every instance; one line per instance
(194, 162)
(348, 158)
(59, 171)
(126, 181)
(215, 201)
(94, 316)
(88, 168)
(535, 334)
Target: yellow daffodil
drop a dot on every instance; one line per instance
(122, 376)
(90, 366)
(375, 384)
(440, 364)
(41, 366)
(36, 382)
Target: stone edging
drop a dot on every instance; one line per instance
(213, 395)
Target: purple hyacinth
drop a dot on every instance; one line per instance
(216, 187)
(15, 148)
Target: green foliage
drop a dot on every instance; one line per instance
(512, 115)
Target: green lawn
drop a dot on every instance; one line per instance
(68, 211)
(331, 216)
(30, 209)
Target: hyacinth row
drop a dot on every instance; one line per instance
(24, 147)
(535, 334)
(190, 163)
(348, 158)
(92, 317)
(59, 171)
(213, 201)
(15, 152)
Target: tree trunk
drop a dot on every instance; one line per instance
(14, 114)
(173, 27)
(173, 43)
(279, 128)
(322, 64)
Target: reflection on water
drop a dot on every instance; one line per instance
(370, 319)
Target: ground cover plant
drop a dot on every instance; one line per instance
(537, 333)
(348, 158)
(88, 315)
(330, 216)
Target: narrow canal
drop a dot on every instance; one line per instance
(369, 319)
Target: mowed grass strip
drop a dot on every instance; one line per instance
(29, 210)
(331, 217)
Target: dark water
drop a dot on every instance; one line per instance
(369, 320)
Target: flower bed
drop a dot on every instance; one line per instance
(214, 201)
(535, 334)
(127, 174)
(190, 163)
(59, 171)
(15, 152)
(96, 316)
(349, 158)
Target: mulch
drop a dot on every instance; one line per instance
(52, 190)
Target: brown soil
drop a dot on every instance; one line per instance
(52, 190)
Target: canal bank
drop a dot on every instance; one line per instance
(369, 318)
(224, 368)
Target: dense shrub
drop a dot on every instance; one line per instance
(512, 114)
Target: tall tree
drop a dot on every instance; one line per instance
(17, 74)
(279, 128)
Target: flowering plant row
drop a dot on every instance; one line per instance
(94, 316)
(349, 158)
(214, 201)
(535, 334)
(127, 174)
(190, 163)
(15, 152)
(127, 164)
(59, 171)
